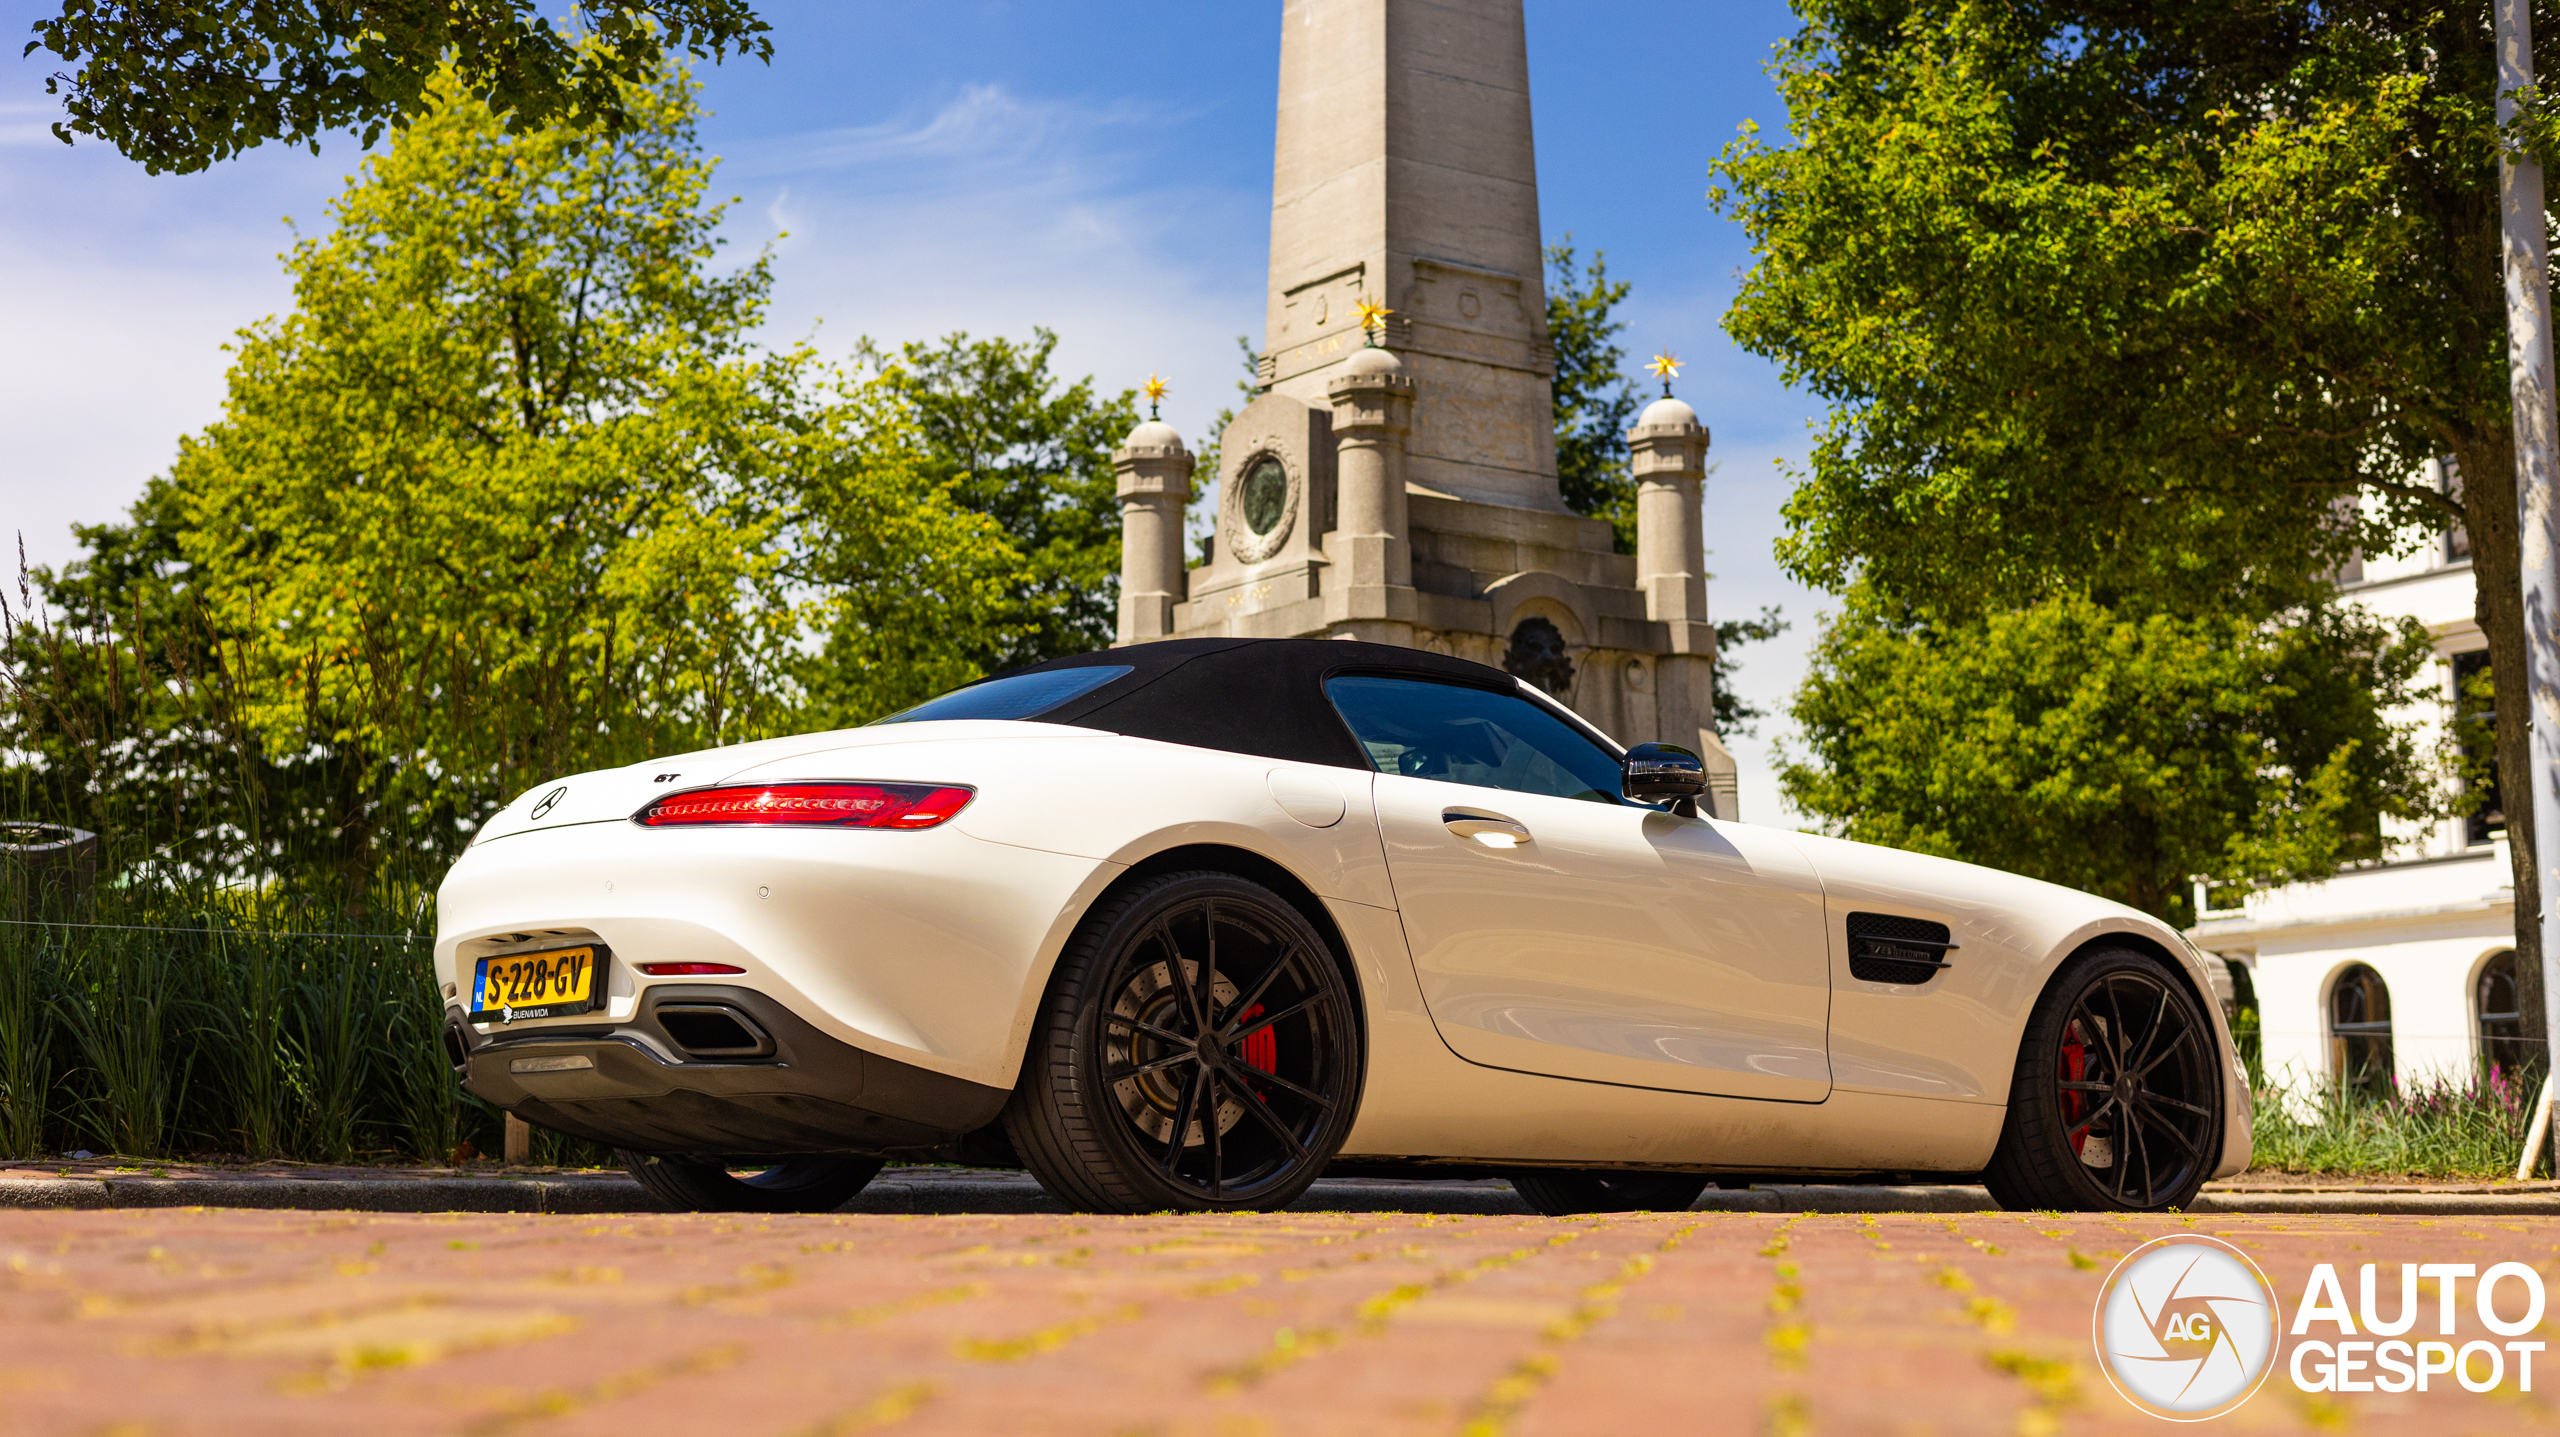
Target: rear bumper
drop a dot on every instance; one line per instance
(629, 1084)
(931, 947)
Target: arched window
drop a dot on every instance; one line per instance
(2360, 1031)
(2493, 1002)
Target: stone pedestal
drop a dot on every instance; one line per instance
(1407, 493)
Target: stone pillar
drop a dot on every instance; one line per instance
(1154, 472)
(1371, 551)
(1669, 446)
(1670, 451)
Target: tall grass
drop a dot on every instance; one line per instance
(26, 1044)
(2470, 1129)
(214, 1030)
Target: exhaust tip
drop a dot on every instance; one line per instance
(713, 1030)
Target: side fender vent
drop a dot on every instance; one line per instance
(1887, 948)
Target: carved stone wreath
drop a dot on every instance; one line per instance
(1250, 547)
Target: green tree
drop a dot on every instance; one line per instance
(1594, 402)
(2164, 304)
(508, 494)
(1009, 440)
(181, 84)
(2122, 754)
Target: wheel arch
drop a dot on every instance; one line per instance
(2175, 961)
(1257, 868)
(2236, 1135)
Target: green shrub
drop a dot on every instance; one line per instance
(2446, 1129)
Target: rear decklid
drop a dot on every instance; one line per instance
(610, 795)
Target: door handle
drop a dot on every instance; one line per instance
(1490, 829)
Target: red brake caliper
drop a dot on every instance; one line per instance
(1262, 1049)
(2075, 1069)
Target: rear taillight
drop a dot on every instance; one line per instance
(687, 970)
(822, 805)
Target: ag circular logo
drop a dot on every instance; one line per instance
(549, 802)
(2186, 1327)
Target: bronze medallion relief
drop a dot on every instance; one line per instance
(1263, 496)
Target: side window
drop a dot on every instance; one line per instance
(1463, 735)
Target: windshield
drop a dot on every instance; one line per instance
(1015, 696)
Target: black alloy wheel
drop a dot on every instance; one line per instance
(1562, 1192)
(1199, 1049)
(2117, 1104)
(801, 1184)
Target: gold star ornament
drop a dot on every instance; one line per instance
(1665, 367)
(1373, 318)
(1154, 390)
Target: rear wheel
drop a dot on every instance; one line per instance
(2117, 1100)
(804, 1184)
(1198, 1049)
(1560, 1192)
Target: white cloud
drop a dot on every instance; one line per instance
(994, 213)
(123, 289)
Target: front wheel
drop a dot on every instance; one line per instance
(805, 1184)
(2117, 1103)
(1198, 1049)
(1562, 1192)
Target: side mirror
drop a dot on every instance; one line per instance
(1662, 773)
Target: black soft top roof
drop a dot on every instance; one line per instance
(1257, 696)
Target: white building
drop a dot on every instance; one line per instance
(2405, 966)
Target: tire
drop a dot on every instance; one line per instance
(804, 1184)
(1562, 1192)
(1108, 1113)
(2076, 1139)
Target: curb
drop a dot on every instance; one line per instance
(1017, 1193)
(2372, 1204)
(323, 1194)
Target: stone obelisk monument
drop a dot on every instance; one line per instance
(1395, 479)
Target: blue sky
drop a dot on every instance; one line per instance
(980, 165)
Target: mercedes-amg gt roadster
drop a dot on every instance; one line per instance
(1183, 924)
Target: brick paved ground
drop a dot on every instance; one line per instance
(192, 1321)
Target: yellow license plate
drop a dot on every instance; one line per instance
(555, 983)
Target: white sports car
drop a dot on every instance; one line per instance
(1185, 924)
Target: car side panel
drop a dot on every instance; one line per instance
(1424, 1102)
(1615, 944)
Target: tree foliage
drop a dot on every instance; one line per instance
(2137, 300)
(2154, 308)
(2125, 754)
(181, 84)
(507, 494)
(1594, 402)
(1011, 441)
